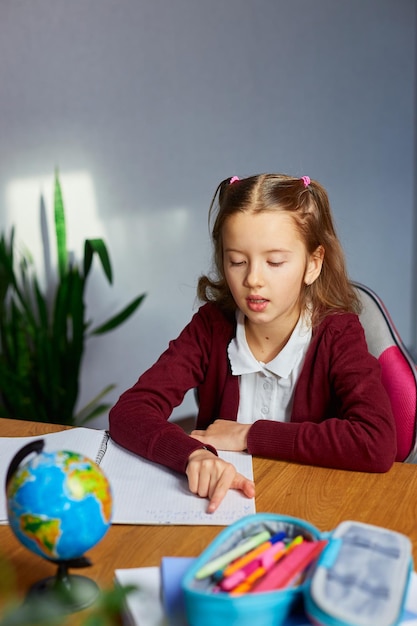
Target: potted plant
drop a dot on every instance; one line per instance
(43, 331)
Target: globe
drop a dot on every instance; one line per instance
(59, 504)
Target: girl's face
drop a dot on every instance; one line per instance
(266, 265)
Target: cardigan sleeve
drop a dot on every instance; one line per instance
(139, 419)
(341, 415)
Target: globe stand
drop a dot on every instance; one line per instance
(70, 591)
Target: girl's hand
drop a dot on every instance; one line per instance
(211, 477)
(224, 435)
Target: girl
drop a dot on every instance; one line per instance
(277, 352)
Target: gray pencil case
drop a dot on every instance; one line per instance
(361, 578)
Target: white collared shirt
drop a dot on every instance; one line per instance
(266, 389)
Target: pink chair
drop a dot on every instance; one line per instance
(399, 373)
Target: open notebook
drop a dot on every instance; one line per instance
(169, 501)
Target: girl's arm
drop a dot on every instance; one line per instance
(139, 420)
(341, 417)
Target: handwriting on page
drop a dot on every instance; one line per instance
(191, 516)
(147, 493)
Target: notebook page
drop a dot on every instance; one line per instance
(86, 441)
(148, 493)
(143, 607)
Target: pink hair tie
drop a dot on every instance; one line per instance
(306, 180)
(233, 180)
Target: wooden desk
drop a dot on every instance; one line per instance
(321, 496)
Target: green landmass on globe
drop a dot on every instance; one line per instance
(59, 504)
(45, 533)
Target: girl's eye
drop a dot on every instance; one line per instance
(275, 263)
(236, 263)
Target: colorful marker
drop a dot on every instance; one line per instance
(263, 569)
(247, 558)
(289, 569)
(224, 559)
(265, 560)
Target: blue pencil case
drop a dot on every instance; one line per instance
(360, 577)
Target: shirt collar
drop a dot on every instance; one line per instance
(242, 360)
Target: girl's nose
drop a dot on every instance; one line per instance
(253, 276)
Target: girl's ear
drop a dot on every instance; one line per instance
(314, 265)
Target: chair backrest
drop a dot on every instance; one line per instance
(398, 370)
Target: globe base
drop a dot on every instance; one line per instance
(71, 591)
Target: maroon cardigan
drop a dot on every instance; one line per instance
(341, 415)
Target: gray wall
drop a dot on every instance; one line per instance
(145, 105)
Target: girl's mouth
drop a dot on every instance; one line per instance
(257, 304)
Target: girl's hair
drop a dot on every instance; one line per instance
(308, 204)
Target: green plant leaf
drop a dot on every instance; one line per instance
(60, 228)
(94, 408)
(68, 343)
(43, 331)
(120, 317)
(95, 412)
(42, 304)
(7, 277)
(97, 246)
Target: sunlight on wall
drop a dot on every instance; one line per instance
(157, 243)
(169, 227)
(24, 197)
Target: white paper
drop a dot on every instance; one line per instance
(143, 606)
(143, 492)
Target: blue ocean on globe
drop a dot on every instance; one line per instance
(59, 504)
